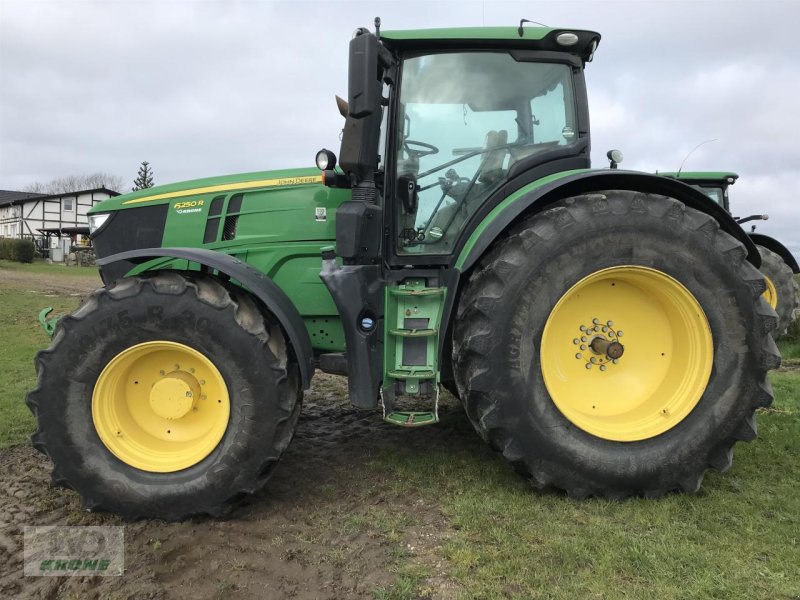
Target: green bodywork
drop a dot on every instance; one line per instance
(721, 176)
(280, 232)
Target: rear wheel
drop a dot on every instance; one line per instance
(165, 396)
(782, 289)
(591, 347)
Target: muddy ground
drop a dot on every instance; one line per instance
(329, 524)
(80, 283)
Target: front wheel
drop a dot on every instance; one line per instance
(782, 289)
(165, 396)
(614, 345)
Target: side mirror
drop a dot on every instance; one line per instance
(363, 87)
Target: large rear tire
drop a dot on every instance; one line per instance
(165, 396)
(571, 413)
(782, 289)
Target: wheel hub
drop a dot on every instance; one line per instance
(174, 395)
(599, 344)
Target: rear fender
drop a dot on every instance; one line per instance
(544, 192)
(261, 286)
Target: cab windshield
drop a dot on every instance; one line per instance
(464, 119)
(717, 194)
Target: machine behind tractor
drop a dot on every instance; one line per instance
(777, 263)
(462, 240)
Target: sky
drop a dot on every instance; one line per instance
(209, 88)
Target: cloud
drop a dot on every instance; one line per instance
(204, 88)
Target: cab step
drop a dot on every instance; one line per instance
(405, 418)
(410, 418)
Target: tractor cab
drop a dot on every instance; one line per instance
(713, 184)
(441, 126)
(467, 111)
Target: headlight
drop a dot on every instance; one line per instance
(326, 160)
(96, 221)
(567, 38)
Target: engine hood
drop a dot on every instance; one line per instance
(186, 190)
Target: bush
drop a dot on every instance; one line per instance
(18, 250)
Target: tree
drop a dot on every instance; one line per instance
(145, 178)
(76, 183)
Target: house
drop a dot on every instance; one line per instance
(50, 220)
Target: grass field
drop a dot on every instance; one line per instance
(22, 335)
(738, 538)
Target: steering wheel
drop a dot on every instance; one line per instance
(423, 150)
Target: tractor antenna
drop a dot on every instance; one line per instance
(378, 27)
(690, 153)
(521, 31)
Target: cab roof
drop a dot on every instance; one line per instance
(522, 38)
(718, 176)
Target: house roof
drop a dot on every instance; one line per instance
(8, 197)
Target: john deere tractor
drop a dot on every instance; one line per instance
(462, 240)
(777, 263)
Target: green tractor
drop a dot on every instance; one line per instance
(777, 263)
(462, 241)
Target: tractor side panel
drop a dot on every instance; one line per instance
(280, 232)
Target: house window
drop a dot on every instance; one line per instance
(68, 207)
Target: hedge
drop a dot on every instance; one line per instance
(18, 250)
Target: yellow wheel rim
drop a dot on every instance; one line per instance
(770, 294)
(160, 406)
(666, 346)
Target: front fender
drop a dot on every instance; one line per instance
(261, 286)
(543, 192)
(778, 248)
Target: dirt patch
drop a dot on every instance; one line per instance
(789, 365)
(329, 524)
(62, 284)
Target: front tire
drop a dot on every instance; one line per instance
(165, 396)
(782, 289)
(675, 402)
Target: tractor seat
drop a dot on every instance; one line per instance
(492, 165)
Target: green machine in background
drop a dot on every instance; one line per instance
(460, 239)
(777, 263)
